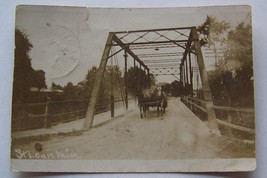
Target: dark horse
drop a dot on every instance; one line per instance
(156, 99)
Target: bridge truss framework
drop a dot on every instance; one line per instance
(164, 51)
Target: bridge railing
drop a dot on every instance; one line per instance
(237, 123)
(45, 114)
(198, 107)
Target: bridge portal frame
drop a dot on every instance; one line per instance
(190, 45)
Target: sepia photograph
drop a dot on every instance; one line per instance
(133, 89)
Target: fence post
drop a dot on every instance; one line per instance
(46, 125)
(229, 120)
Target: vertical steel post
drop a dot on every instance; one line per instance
(205, 83)
(145, 77)
(191, 75)
(126, 79)
(186, 72)
(139, 77)
(201, 66)
(142, 80)
(89, 117)
(181, 73)
(184, 78)
(112, 89)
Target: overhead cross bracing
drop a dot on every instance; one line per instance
(164, 51)
(155, 48)
(161, 60)
(160, 55)
(172, 65)
(166, 71)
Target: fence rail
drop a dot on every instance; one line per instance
(200, 111)
(238, 123)
(46, 114)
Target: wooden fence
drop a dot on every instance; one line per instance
(237, 123)
(46, 114)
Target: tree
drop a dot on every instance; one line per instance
(176, 88)
(220, 80)
(113, 78)
(84, 88)
(87, 83)
(232, 81)
(70, 91)
(238, 59)
(22, 67)
(137, 79)
(167, 88)
(239, 46)
(211, 31)
(56, 86)
(212, 34)
(38, 79)
(25, 76)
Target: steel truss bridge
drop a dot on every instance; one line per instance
(166, 51)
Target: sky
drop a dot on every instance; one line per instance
(68, 41)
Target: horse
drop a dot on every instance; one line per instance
(145, 101)
(163, 100)
(164, 103)
(151, 98)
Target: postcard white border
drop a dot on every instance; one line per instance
(181, 165)
(259, 30)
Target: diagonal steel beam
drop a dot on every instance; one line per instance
(170, 40)
(212, 122)
(122, 45)
(188, 45)
(89, 117)
(182, 34)
(175, 76)
(164, 72)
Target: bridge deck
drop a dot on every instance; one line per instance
(180, 134)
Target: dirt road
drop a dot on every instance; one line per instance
(179, 134)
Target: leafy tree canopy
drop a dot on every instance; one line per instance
(138, 79)
(25, 76)
(232, 81)
(211, 31)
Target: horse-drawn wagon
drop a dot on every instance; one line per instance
(152, 98)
